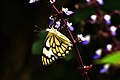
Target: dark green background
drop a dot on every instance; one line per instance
(17, 36)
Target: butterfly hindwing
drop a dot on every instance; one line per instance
(56, 46)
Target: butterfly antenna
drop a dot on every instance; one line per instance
(58, 29)
(52, 26)
(36, 31)
(37, 28)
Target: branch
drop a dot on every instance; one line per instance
(77, 53)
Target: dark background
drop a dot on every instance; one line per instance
(17, 35)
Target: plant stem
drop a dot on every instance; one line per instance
(77, 53)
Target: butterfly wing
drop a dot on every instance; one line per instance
(56, 46)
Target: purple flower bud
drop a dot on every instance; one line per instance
(65, 10)
(94, 17)
(107, 19)
(71, 28)
(32, 1)
(98, 53)
(96, 56)
(57, 25)
(52, 1)
(113, 30)
(100, 2)
(109, 47)
(108, 22)
(105, 68)
(69, 12)
(51, 22)
(85, 42)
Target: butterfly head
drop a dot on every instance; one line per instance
(52, 30)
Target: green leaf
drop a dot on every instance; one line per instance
(113, 58)
(38, 45)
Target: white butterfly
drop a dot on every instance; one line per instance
(56, 46)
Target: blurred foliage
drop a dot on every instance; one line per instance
(82, 14)
(111, 58)
(85, 12)
(110, 5)
(39, 44)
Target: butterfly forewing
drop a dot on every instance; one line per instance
(56, 46)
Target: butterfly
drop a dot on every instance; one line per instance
(56, 46)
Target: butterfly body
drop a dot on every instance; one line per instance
(56, 46)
